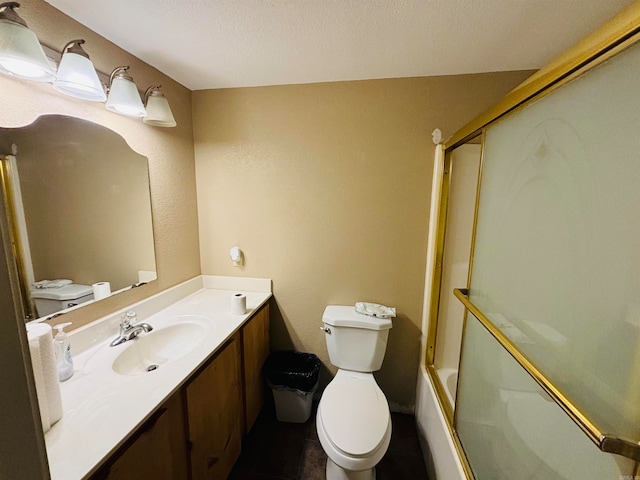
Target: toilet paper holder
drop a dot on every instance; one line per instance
(236, 256)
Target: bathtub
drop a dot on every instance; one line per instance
(437, 444)
(449, 379)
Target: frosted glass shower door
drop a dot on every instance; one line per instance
(556, 270)
(511, 430)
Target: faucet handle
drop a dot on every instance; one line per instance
(128, 318)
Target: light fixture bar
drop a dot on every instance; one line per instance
(166, 119)
(54, 58)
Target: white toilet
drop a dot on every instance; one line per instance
(353, 420)
(52, 300)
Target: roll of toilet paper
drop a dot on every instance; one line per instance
(45, 373)
(238, 304)
(101, 290)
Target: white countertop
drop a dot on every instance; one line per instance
(101, 407)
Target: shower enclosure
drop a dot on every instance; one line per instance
(533, 346)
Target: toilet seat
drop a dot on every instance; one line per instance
(354, 414)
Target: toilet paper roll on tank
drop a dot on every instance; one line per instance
(101, 290)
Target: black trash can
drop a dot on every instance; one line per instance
(293, 378)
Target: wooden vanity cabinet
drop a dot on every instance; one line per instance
(197, 433)
(155, 451)
(255, 350)
(214, 412)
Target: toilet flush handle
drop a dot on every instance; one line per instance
(326, 330)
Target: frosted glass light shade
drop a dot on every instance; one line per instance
(21, 53)
(158, 111)
(77, 77)
(124, 98)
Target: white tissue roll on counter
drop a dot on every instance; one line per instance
(45, 373)
(238, 304)
(101, 290)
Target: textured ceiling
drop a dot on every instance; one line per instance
(232, 43)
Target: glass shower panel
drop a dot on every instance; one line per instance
(557, 252)
(463, 182)
(510, 428)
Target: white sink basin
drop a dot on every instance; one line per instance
(150, 351)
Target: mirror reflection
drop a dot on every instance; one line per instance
(80, 208)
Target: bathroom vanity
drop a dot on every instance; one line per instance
(170, 404)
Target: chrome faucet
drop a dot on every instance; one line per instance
(128, 328)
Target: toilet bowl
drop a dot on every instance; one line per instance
(353, 419)
(354, 425)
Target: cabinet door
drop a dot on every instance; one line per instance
(214, 410)
(156, 451)
(255, 350)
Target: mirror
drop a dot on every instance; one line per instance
(79, 202)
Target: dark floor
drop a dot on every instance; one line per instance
(289, 451)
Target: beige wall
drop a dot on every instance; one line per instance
(326, 189)
(169, 150)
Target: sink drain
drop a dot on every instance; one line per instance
(153, 367)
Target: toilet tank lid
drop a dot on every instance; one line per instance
(68, 292)
(346, 316)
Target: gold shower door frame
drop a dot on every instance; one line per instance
(618, 34)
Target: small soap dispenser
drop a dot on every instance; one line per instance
(62, 348)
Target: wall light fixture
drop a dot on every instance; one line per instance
(20, 52)
(21, 55)
(123, 94)
(158, 110)
(77, 76)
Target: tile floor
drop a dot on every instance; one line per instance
(288, 451)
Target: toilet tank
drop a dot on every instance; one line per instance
(53, 300)
(355, 341)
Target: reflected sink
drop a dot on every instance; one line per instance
(150, 351)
